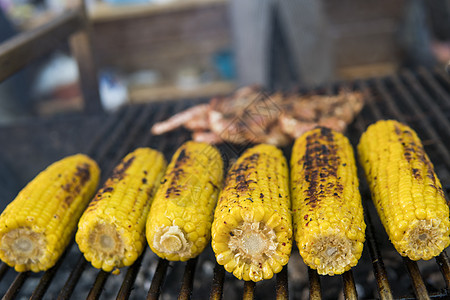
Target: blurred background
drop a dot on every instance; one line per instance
(147, 50)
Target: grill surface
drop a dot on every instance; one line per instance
(420, 99)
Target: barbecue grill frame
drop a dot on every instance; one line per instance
(128, 128)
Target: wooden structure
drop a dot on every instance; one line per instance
(72, 26)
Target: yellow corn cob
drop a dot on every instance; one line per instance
(252, 228)
(179, 222)
(36, 227)
(111, 230)
(405, 189)
(328, 215)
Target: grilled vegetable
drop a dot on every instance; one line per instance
(406, 191)
(252, 228)
(36, 227)
(179, 222)
(328, 215)
(111, 230)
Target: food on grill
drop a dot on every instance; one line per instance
(251, 115)
(179, 222)
(37, 225)
(252, 228)
(111, 232)
(405, 189)
(328, 215)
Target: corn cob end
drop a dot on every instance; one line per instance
(253, 242)
(22, 247)
(331, 254)
(424, 239)
(171, 241)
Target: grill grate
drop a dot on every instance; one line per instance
(420, 99)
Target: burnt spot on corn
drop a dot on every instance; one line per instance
(107, 189)
(414, 150)
(320, 162)
(176, 173)
(83, 172)
(144, 180)
(240, 172)
(119, 171)
(68, 200)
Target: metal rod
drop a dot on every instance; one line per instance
(47, 278)
(188, 279)
(217, 284)
(130, 277)
(435, 86)
(381, 87)
(349, 286)
(282, 284)
(314, 285)
(370, 101)
(3, 269)
(384, 290)
(163, 112)
(99, 283)
(121, 128)
(417, 282)
(72, 281)
(249, 290)
(104, 131)
(444, 266)
(15, 286)
(158, 279)
(45, 281)
(137, 126)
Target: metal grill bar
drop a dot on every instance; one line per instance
(444, 266)
(384, 290)
(3, 269)
(130, 277)
(435, 86)
(217, 284)
(71, 282)
(282, 284)
(99, 283)
(419, 286)
(188, 279)
(389, 100)
(158, 280)
(120, 130)
(16, 285)
(314, 285)
(46, 279)
(349, 286)
(104, 131)
(249, 290)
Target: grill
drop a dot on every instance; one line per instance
(419, 98)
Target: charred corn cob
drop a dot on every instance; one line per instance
(111, 230)
(179, 222)
(252, 228)
(405, 189)
(36, 227)
(326, 203)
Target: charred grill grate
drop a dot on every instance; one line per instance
(420, 99)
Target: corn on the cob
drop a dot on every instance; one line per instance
(328, 215)
(111, 230)
(252, 228)
(179, 222)
(406, 191)
(37, 226)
